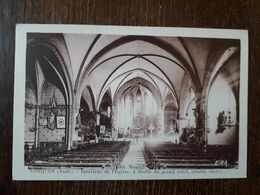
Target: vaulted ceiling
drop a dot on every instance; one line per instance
(105, 62)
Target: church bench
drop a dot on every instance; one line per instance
(171, 155)
(110, 153)
(166, 165)
(159, 163)
(114, 160)
(100, 153)
(83, 160)
(99, 164)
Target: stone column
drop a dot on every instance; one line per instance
(114, 118)
(177, 120)
(206, 118)
(71, 114)
(36, 140)
(97, 130)
(200, 119)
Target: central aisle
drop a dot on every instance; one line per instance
(134, 156)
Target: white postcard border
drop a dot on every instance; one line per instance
(20, 172)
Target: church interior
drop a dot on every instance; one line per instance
(97, 100)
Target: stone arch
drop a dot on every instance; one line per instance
(153, 40)
(119, 92)
(55, 70)
(232, 85)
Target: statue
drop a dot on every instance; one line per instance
(51, 121)
(78, 122)
(221, 122)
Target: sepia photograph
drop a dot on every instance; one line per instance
(123, 103)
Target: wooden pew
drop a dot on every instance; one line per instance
(169, 155)
(105, 154)
(95, 164)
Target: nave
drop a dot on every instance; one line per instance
(105, 100)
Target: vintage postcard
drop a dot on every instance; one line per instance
(127, 103)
